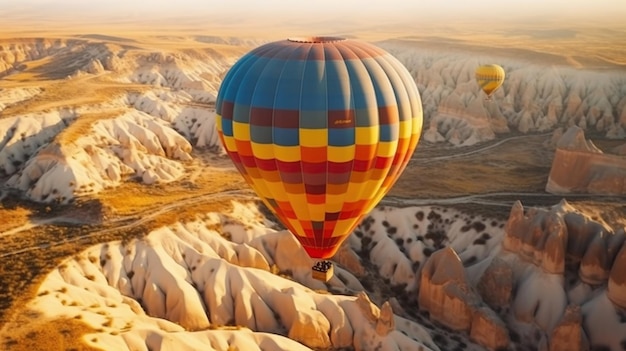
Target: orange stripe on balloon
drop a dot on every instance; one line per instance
(244, 147)
(313, 154)
(316, 199)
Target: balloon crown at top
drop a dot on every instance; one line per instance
(316, 39)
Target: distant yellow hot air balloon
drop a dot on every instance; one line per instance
(489, 78)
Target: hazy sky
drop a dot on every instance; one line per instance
(328, 17)
(487, 8)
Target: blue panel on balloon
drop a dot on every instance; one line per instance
(288, 90)
(233, 79)
(261, 135)
(227, 127)
(361, 85)
(341, 137)
(314, 92)
(249, 82)
(388, 132)
(338, 82)
(286, 136)
(265, 89)
(241, 113)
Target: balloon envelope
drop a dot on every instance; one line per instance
(320, 128)
(489, 78)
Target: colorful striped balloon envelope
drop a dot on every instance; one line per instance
(320, 128)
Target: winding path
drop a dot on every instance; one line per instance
(118, 224)
(425, 159)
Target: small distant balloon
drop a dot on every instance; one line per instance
(489, 78)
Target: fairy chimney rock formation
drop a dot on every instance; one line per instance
(305, 324)
(595, 265)
(382, 318)
(447, 295)
(348, 259)
(489, 330)
(574, 139)
(496, 284)
(444, 291)
(385, 323)
(580, 167)
(569, 335)
(546, 237)
(539, 236)
(616, 291)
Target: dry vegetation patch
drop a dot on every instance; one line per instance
(190, 213)
(133, 197)
(521, 165)
(31, 332)
(13, 217)
(64, 94)
(82, 125)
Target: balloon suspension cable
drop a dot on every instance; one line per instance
(323, 270)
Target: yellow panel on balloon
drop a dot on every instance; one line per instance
(241, 131)
(296, 224)
(317, 212)
(263, 151)
(277, 190)
(341, 153)
(387, 148)
(313, 137)
(334, 203)
(417, 123)
(343, 227)
(406, 129)
(261, 187)
(354, 190)
(300, 205)
(374, 201)
(372, 184)
(229, 143)
(366, 135)
(287, 153)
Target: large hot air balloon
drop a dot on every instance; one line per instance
(489, 78)
(320, 128)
